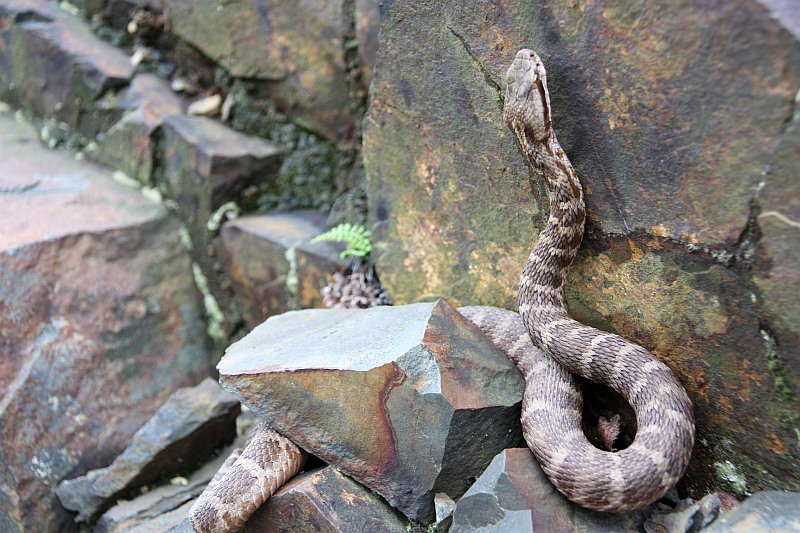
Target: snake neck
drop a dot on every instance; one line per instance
(542, 283)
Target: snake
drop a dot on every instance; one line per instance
(548, 347)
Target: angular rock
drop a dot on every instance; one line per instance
(52, 64)
(163, 507)
(513, 494)
(206, 164)
(688, 515)
(325, 500)
(296, 47)
(100, 319)
(410, 401)
(272, 265)
(655, 124)
(771, 511)
(190, 425)
(130, 144)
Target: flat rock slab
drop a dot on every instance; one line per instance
(513, 494)
(410, 400)
(190, 425)
(100, 320)
(326, 501)
(272, 265)
(53, 64)
(763, 512)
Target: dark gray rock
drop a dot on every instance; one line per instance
(190, 425)
(100, 320)
(763, 512)
(513, 494)
(52, 64)
(130, 144)
(162, 507)
(409, 401)
(272, 266)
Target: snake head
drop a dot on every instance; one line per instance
(527, 107)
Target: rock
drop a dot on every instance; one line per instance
(410, 401)
(689, 516)
(325, 500)
(163, 507)
(777, 277)
(654, 122)
(367, 25)
(771, 511)
(130, 144)
(297, 49)
(100, 320)
(190, 425)
(513, 494)
(52, 64)
(206, 164)
(272, 265)
(208, 107)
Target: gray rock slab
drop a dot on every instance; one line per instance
(513, 494)
(763, 512)
(191, 424)
(100, 321)
(409, 401)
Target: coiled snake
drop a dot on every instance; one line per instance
(551, 408)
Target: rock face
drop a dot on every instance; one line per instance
(297, 48)
(272, 266)
(100, 320)
(690, 179)
(410, 401)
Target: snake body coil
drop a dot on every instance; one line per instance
(547, 346)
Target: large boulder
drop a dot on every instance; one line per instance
(296, 49)
(690, 173)
(409, 401)
(99, 322)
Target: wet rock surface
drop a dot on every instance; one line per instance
(688, 249)
(409, 401)
(99, 321)
(272, 265)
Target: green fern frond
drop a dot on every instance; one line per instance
(355, 235)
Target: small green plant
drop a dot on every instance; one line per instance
(355, 235)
